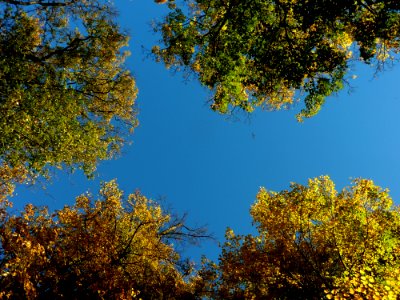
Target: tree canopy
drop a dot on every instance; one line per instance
(66, 98)
(270, 53)
(109, 248)
(313, 243)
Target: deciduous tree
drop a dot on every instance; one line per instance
(313, 243)
(66, 98)
(110, 248)
(270, 53)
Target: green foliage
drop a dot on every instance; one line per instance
(66, 98)
(270, 53)
(313, 243)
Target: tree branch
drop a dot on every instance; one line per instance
(40, 2)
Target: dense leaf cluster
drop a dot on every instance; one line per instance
(269, 53)
(313, 243)
(65, 95)
(109, 248)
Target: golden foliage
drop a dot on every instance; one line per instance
(313, 243)
(109, 248)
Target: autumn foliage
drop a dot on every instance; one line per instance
(66, 97)
(67, 100)
(109, 248)
(313, 243)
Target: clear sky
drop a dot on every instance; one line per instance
(211, 166)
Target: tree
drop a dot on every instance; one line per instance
(9, 177)
(66, 98)
(110, 248)
(313, 243)
(270, 53)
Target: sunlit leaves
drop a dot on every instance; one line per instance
(109, 248)
(315, 242)
(66, 98)
(268, 53)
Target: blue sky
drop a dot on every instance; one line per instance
(211, 166)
